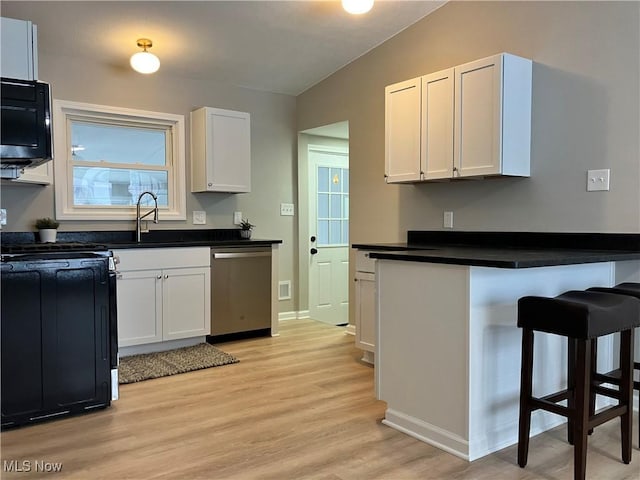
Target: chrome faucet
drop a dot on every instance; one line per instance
(140, 217)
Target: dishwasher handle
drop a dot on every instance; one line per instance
(241, 254)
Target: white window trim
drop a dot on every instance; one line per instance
(65, 210)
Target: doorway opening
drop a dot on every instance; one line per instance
(323, 197)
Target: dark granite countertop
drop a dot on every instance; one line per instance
(508, 249)
(153, 239)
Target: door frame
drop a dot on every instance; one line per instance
(306, 138)
(312, 202)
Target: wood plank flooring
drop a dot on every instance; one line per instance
(298, 406)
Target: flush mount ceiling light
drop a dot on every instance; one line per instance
(144, 62)
(357, 7)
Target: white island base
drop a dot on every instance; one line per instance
(448, 350)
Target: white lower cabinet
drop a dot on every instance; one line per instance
(365, 302)
(163, 294)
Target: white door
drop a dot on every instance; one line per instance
(329, 235)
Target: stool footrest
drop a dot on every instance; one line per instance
(557, 396)
(540, 403)
(607, 392)
(607, 414)
(613, 377)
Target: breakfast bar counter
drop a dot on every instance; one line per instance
(448, 348)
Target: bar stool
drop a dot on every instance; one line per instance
(581, 317)
(613, 377)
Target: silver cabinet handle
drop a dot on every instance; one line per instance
(166, 276)
(159, 277)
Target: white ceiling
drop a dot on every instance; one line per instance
(277, 46)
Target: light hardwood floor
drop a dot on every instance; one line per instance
(298, 406)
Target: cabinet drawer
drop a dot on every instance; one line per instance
(364, 263)
(160, 258)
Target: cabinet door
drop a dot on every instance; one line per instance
(22, 364)
(18, 57)
(220, 151)
(402, 131)
(76, 331)
(186, 302)
(366, 311)
(478, 133)
(139, 307)
(437, 125)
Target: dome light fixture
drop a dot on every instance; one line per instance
(144, 62)
(357, 7)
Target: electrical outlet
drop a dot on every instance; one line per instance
(3, 216)
(237, 218)
(199, 217)
(287, 209)
(598, 180)
(448, 220)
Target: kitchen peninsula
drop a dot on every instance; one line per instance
(447, 344)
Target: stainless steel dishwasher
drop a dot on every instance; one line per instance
(240, 292)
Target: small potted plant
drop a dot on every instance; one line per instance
(48, 229)
(245, 228)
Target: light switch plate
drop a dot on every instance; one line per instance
(287, 209)
(237, 218)
(598, 180)
(3, 216)
(199, 217)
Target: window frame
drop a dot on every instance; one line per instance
(64, 112)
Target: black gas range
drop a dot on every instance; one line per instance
(46, 249)
(59, 341)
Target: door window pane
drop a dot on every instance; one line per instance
(323, 205)
(336, 179)
(345, 180)
(345, 231)
(323, 232)
(335, 232)
(336, 206)
(323, 179)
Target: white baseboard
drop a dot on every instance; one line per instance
(293, 315)
(159, 346)
(350, 330)
(427, 433)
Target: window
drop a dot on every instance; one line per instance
(333, 206)
(105, 157)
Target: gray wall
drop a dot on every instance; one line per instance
(585, 116)
(273, 143)
(586, 101)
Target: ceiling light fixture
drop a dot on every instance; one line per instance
(144, 62)
(357, 7)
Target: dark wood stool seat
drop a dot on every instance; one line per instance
(613, 377)
(581, 316)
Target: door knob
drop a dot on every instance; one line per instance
(313, 251)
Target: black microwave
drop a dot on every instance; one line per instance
(25, 126)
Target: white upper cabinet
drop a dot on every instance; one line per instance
(220, 151)
(493, 117)
(19, 49)
(402, 132)
(474, 120)
(437, 125)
